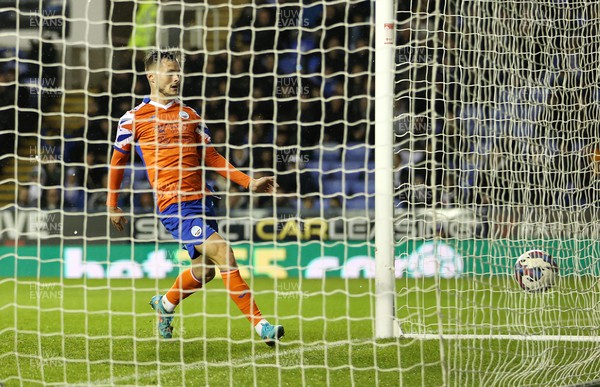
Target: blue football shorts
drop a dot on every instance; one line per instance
(186, 222)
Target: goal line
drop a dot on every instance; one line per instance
(565, 338)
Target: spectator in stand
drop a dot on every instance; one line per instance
(265, 159)
(240, 157)
(238, 132)
(334, 119)
(23, 197)
(73, 193)
(310, 117)
(262, 72)
(53, 173)
(219, 140)
(298, 182)
(236, 198)
(51, 199)
(264, 30)
(334, 20)
(97, 198)
(335, 59)
(193, 68)
(37, 179)
(44, 52)
(360, 25)
(7, 115)
(241, 34)
(95, 172)
(98, 133)
(122, 81)
(335, 203)
(239, 86)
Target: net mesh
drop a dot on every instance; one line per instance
(496, 155)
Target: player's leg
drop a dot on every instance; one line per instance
(187, 283)
(218, 251)
(185, 226)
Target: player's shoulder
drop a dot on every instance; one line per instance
(191, 111)
(126, 119)
(130, 114)
(143, 107)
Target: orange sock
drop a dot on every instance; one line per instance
(239, 291)
(185, 285)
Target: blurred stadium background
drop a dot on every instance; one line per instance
(296, 84)
(246, 77)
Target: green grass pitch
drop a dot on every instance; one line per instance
(103, 332)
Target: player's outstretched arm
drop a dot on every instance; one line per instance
(224, 168)
(227, 170)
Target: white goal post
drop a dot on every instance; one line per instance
(385, 27)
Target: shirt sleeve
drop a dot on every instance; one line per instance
(124, 134)
(120, 157)
(214, 159)
(202, 135)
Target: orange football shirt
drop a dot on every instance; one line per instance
(171, 141)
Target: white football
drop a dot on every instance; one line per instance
(536, 271)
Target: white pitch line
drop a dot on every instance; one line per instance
(274, 354)
(568, 338)
(233, 362)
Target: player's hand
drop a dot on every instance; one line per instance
(263, 185)
(116, 218)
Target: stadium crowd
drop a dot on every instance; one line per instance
(286, 111)
(294, 96)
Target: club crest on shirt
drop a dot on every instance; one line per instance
(196, 231)
(184, 115)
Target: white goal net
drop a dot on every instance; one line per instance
(494, 136)
(496, 154)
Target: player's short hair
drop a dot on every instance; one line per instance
(154, 57)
